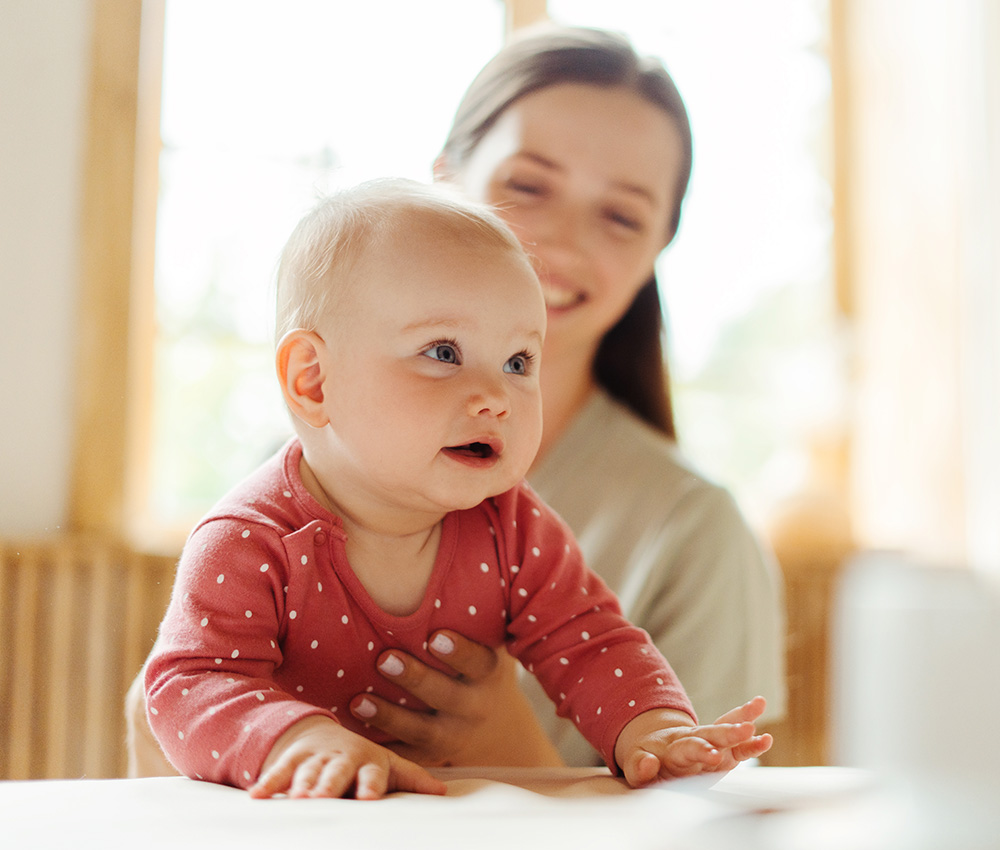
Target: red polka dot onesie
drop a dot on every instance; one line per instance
(268, 624)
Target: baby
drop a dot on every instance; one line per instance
(410, 330)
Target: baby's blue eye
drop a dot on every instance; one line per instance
(517, 365)
(443, 351)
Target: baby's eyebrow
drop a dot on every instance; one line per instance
(440, 322)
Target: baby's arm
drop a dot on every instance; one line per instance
(317, 757)
(664, 743)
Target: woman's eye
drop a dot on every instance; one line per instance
(626, 221)
(519, 364)
(524, 188)
(446, 352)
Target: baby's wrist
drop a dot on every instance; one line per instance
(648, 723)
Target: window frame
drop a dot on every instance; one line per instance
(113, 433)
(113, 427)
(115, 315)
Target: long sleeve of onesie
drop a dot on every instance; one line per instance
(268, 625)
(566, 627)
(213, 696)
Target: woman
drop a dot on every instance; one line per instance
(585, 149)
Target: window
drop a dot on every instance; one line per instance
(916, 464)
(267, 106)
(748, 282)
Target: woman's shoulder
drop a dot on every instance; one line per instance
(608, 446)
(613, 475)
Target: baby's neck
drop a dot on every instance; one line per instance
(394, 569)
(392, 556)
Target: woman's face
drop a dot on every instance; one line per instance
(585, 176)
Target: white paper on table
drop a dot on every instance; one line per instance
(479, 812)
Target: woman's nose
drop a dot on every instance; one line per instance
(564, 228)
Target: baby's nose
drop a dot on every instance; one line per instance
(489, 398)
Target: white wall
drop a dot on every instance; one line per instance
(44, 65)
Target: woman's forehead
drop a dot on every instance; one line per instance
(612, 131)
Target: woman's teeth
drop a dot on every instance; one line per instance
(558, 297)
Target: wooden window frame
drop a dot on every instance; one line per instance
(115, 319)
(113, 417)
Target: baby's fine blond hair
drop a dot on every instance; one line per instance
(343, 228)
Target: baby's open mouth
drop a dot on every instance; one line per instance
(480, 450)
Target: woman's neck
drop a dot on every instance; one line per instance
(567, 384)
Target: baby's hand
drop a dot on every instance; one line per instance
(663, 743)
(318, 757)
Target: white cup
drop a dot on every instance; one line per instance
(916, 692)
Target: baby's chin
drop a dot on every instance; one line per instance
(462, 502)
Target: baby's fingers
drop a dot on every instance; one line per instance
(407, 776)
(755, 747)
(749, 711)
(689, 756)
(725, 736)
(373, 782)
(278, 778)
(307, 776)
(683, 757)
(641, 768)
(335, 779)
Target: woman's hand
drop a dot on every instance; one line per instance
(479, 717)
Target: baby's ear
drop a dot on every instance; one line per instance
(299, 362)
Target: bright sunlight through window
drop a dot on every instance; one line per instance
(266, 106)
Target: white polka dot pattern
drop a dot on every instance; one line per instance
(271, 614)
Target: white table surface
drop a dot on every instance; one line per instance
(483, 809)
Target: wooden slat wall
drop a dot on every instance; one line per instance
(803, 737)
(812, 540)
(77, 618)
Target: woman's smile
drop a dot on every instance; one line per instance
(560, 297)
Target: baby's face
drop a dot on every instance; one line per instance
(433, 390)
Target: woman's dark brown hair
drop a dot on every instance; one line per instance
(630, 362)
